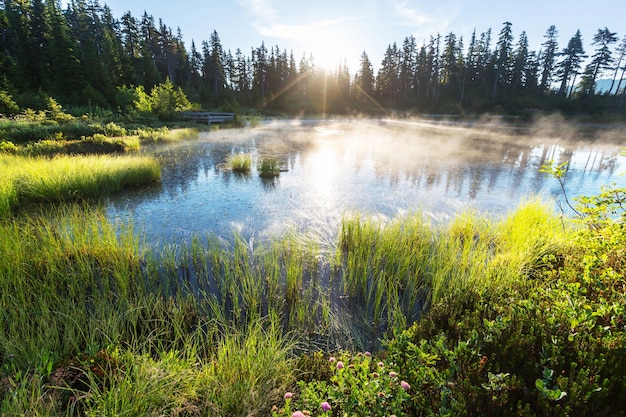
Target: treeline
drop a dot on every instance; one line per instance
(83, 55)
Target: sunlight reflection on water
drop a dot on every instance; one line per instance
(375, 167)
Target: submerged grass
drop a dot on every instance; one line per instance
(64, 178)
(211, 328)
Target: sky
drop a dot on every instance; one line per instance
(334, 30)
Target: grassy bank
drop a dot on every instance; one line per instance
(64, 178)
(509, 319)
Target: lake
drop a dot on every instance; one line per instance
(384, 168)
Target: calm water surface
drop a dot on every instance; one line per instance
(377, 167)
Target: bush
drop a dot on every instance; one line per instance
(8, 107)
(166, 100)
(112, 130)
(8, 147)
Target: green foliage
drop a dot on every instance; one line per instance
(112, 130)
(8, 107)
(358, 385)
(550, 346)
(166, 100)
(8, 147)
(142, 100)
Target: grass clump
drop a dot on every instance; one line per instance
(269, 168)
(239, 162)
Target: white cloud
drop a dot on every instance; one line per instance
(261, 10)
(267, 22)
(411, 15)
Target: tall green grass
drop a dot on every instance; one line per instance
(393, 271)
(65, 178)
(210, 327)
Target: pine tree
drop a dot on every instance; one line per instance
(387, 77)
(519, 76)
(547, 57)
(568, 67)
(65, 74)
(621, 57)
(601, 60)
(502, 58)
(364, 79)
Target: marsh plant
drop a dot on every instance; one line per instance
(269, 168)
(239, 162)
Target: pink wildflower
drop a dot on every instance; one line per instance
(332, 359)
(405, 385)
(325, 406)
(297, 414)
(368, 354)
(393, 374)
(287, 396)
(339, 365)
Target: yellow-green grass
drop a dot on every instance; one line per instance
(64, 178)
(393, 270)
(239, 162)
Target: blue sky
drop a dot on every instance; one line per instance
(336, 29)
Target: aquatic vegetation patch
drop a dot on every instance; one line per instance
(239, 162)
(269, 168)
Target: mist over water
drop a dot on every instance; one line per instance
(376, 167)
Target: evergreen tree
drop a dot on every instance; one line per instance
(214, 66)
(387, 77)
(408, 67)
(260, 63)
(65, 74)
(519, 75)
(601, 60)
(364, 79)
(502, 58)
(450, 62)
(621, 57)
(568, 67)
(547, 57)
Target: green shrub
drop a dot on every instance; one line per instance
(358, 386)
(113, 130)
(8, 107)
(8, 147)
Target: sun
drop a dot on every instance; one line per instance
(329, 45)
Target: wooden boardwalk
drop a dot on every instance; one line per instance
(209, 116)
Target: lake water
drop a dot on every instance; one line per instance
(379, 167)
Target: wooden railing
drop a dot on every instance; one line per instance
(209, 116)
